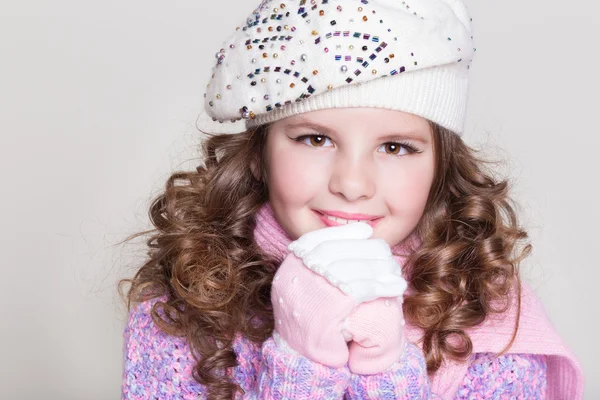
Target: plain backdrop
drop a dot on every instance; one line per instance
(98, 104)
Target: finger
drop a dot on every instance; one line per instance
(392, 288)
(366, 269)
(385, 286)
(333, 250)
(363, 291)
(307, 242)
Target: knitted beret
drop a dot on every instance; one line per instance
(296, 56)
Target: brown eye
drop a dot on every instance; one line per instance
(392, 148)
(397, 149)
(317, 141)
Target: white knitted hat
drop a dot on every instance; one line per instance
(295, 56)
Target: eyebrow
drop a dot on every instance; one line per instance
(394, 137)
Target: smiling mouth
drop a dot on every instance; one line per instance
(332, 220)
(344, 221)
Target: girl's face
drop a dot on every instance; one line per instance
(329, 166)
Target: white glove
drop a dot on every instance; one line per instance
(344, 255)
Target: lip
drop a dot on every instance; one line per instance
(370, 219)
(344, 215)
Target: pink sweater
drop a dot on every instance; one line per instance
(159, 366)
(536, 334)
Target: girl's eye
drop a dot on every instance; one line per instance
(314, 140)
(396, 149)
(392, 148)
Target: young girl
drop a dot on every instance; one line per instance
(348, 243)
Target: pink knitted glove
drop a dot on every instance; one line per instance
(377, 330)
(310, 313)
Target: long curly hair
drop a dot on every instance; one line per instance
(214, 281)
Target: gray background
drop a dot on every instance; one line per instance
(98, 102)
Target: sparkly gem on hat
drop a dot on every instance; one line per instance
(428, 49)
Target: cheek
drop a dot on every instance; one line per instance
(294, 177)
(410, 192)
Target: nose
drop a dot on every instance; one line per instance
(352, 178)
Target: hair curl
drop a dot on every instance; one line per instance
(216, 282)
(468, 264)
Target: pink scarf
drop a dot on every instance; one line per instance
(535, 335)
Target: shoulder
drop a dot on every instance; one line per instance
(154, 362)
(157, 363)
(508, 375)
(535, 332)
(142, 333)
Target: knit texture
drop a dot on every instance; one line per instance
(295, 294)
(512, 376)
(159, 366)
(536, 334)
(377, 331)
(404, 379)
(522, 376)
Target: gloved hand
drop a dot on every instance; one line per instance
(376, 326)
(329, 272)
(377, 331)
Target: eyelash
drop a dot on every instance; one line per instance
(409, 147)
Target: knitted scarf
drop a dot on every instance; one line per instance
(535, 335)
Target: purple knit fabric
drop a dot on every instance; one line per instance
(511, 376)
(159, 366)
(405, 379)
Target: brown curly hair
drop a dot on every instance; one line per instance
(216, 281)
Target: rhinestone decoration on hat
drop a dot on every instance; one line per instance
(288, 51)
